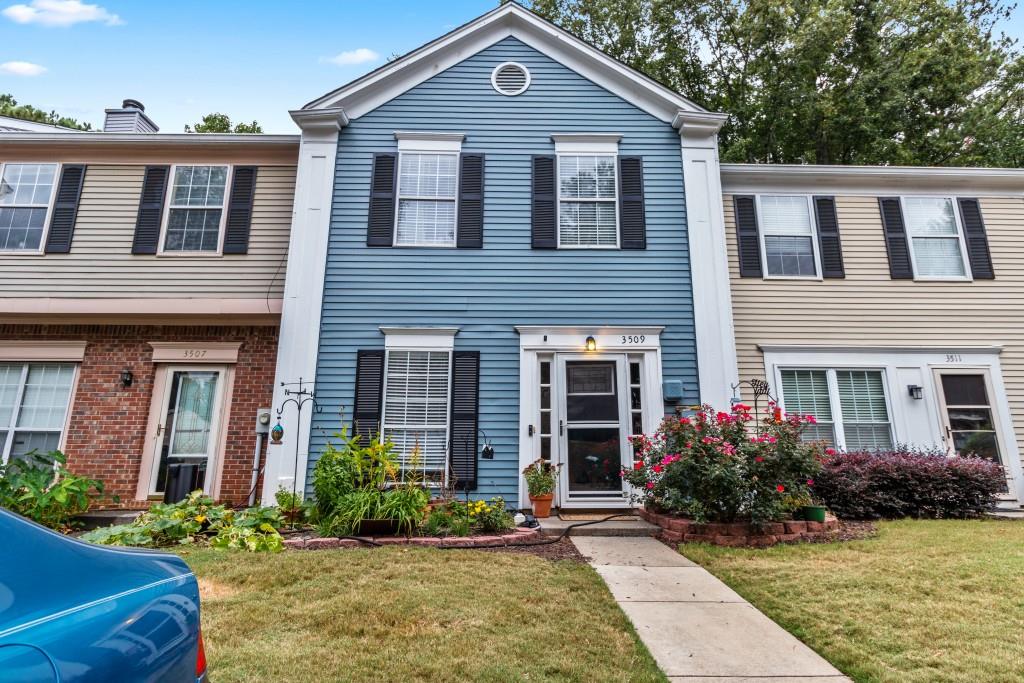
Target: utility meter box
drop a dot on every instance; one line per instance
(263, 420)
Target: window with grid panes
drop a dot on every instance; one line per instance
(195, 208)
(25, 194)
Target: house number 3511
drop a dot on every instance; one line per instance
(633, 338)
(195, 353)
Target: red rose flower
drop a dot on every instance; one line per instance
(657, 469)
(758, 459)
(780, 488)
(638, 466)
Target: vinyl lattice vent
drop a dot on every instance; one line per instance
(510, 79)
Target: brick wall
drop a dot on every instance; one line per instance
(107, 429)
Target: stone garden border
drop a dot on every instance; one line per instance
(740, 534)
(520, 536)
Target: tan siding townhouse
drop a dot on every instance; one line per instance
(140, 300)
(885, 301)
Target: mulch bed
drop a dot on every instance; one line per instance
(562, 550)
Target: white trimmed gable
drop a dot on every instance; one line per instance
(510, 19)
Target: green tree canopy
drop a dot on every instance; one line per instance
(915, 82)
(26, 112)
(221, 123)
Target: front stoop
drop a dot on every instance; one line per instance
(623, 526)
(696, 627)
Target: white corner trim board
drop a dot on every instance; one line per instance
(299, 340)
(717, 367)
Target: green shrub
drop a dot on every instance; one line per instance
(460, 518)
(41, 488)
(196, 519)
(343, 469)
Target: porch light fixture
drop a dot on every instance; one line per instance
(127, 378)
(915, 391)
(591, 344)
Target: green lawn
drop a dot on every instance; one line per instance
(411, 614)
(924, 601)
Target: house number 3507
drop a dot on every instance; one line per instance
(195, 353)
(633, 338)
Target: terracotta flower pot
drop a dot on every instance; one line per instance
(542, 505)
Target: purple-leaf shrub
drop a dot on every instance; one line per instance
(908, 483)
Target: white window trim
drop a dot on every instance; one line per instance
(526, 85)
(165, 219)
(761, 234)
(41, 251)
(445, 144)
(586, 144)
(961, 240)
(835, 406)
(11, 428)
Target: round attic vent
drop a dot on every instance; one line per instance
(510, 78)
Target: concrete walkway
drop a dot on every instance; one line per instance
(697, 628)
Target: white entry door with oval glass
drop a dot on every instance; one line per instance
(187, 435)
(589, 425)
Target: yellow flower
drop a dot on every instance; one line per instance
(200, 518)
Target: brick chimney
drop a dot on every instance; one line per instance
(130, 118)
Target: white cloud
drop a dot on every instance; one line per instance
(59, 13)
(358, 56)
(22, 69)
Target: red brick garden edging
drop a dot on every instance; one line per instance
(521, 536)
(739, 534)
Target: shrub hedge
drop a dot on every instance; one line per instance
(908, 483)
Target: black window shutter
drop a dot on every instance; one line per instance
(828, 238)
(542, 206)
(977, 241)
(236, 231)
(65, 209)
(151, 210)
(369, 390)
(632, 222)
(380, 228)
(471, 202)
(895, 239)
(748, 241)
(465, 418)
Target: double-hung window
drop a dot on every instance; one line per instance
(26, 191)
(427, 187)
(33, 407)
(936, 238)
(587, 201)
(788, 236)
(417, 393)
(195, 209)
(849, 406)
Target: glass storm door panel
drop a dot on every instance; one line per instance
(594, 435)
(189, 424)
(969, 422)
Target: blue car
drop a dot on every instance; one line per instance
(72, 612)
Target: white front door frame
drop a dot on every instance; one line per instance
(548, 342)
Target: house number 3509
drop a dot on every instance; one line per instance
(633, 338)
(195, 353)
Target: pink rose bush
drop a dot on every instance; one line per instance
(721, 467)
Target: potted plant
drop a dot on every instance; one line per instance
(541, 477)
(813, 512)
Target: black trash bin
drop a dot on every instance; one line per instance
(182, 479)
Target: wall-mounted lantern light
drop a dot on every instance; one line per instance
(916, 392)
(127, 378)
(276, 432)
(591, 344)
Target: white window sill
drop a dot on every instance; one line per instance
(23, 252)
(811, 278)
(943, 279)
(189, 254)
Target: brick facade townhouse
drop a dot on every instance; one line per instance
(140, 300)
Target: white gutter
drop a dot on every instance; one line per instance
(151, 138)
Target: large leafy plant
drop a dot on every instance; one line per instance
(196, 519)
(41, 488)
(720, 467)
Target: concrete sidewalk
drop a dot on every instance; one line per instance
(697, 628)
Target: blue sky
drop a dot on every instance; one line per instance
(249, 59)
